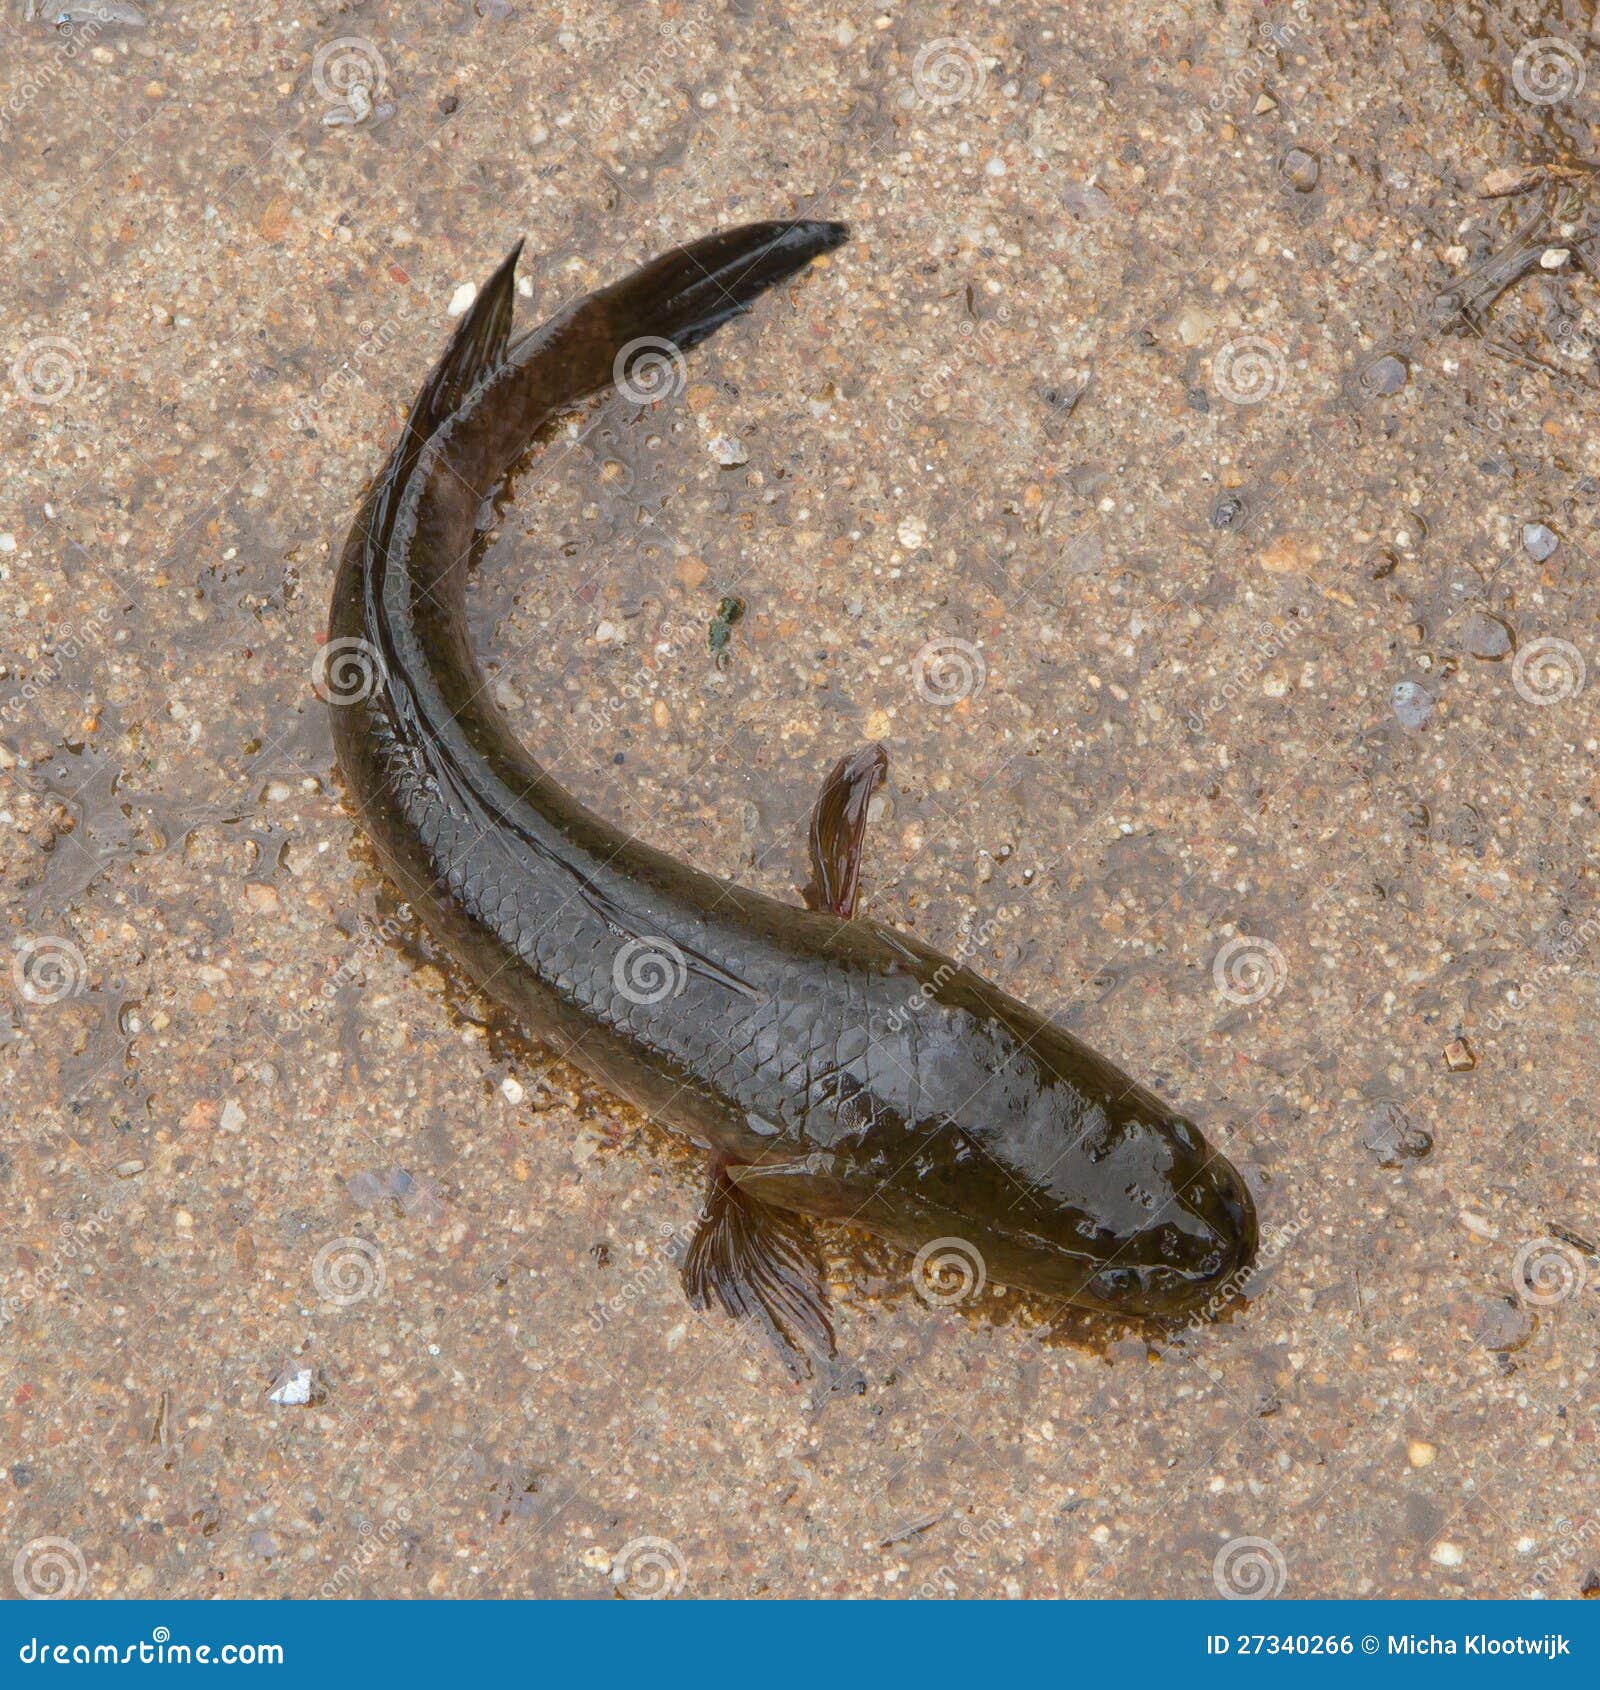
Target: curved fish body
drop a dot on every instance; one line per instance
(829, 1065)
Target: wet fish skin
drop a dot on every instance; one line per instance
(830, 1066)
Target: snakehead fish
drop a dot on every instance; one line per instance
(828, 1065)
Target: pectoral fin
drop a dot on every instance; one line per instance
(839, 829)
(760, 1264)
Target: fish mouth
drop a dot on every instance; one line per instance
(1233, 1219)
(1228, 1233)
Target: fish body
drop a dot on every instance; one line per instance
(829, 1065)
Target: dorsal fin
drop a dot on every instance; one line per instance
(839, 830)
(476, 348)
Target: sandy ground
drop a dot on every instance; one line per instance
(1188, 471)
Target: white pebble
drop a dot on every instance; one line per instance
(295, 1391)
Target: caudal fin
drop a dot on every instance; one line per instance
(691, 291)
(665, 307)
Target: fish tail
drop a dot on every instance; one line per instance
(631, 334)
(691, 291)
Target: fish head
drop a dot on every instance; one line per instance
(1167, 1221)
(1065, 1177)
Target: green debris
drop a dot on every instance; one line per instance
(728, 613)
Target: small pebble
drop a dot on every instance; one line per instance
(1487, 637)
(1538, 541)
(1290, 554)
(1385, 375)
(1392, 1137)
(1460, 1057)
(1446, 1555)
(1301, 170)
(295, 1391)
(462, 298)
(1501, 1325)
(1420, 1454)
(728, 450)
(127, 1169)
(1412, 704)
(1195, 326)
(511, 1089)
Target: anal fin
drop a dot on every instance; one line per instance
(839, 829)
(760, 1264)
